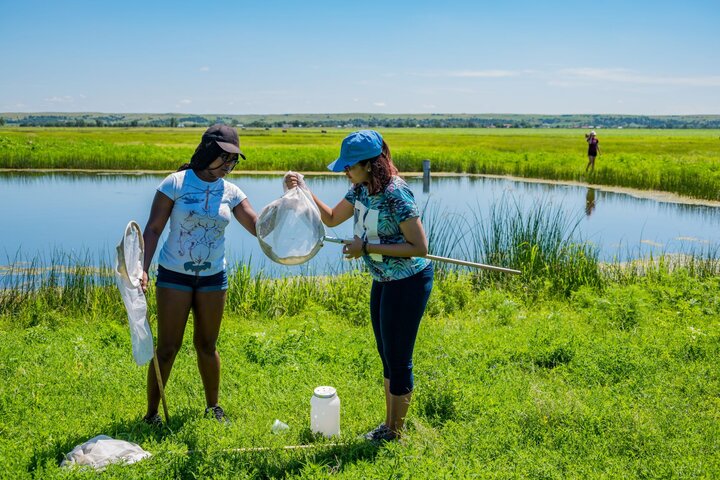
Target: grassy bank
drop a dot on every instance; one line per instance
(679, 161)
(619, 381)
(573, 369)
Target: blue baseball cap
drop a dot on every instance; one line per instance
(358, 146)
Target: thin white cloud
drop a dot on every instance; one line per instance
(204, 69)
(692, 239)
(580, 76)
(379, 104)
(274, 93)
(651, 243)
(484, 74)
(185, 101)
(566, 83)
(473, 73)
(621, 75)
(63, 99)
(443, 90)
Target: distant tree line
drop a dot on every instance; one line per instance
(365, 121)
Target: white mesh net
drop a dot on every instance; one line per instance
(128, 272)
(289, 229)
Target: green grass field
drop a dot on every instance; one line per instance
(573, 369)
(612, 382)
(679, 161)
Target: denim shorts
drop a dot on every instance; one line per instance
(191, 283)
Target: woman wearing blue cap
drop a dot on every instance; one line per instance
(389, 236)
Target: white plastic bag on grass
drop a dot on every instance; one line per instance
(128, 272)
(100, 451)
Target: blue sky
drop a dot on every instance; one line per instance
(241, 57)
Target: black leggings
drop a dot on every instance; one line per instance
(396, 308)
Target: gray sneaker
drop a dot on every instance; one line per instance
(218, 413)
(153, 420)
(381, 434)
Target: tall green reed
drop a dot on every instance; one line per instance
(61, 282)
(695, 261)
(39, 289)
(258, 294)
(541, 242)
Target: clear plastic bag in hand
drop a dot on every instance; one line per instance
(289, 229)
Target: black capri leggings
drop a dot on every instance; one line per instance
(396, 308)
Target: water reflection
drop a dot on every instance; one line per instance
(589, 201)
(426, 176)
(87, 212)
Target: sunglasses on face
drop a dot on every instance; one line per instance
(230, 159)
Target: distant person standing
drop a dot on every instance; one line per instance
(593, 150)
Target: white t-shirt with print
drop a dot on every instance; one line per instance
(196, 242)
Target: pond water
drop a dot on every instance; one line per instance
(85, 214)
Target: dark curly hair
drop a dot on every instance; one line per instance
(382, 170)
(205, 153)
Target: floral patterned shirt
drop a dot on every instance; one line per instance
(377, 219)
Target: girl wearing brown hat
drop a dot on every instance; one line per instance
(191, 275)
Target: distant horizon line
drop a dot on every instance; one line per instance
(49, 112)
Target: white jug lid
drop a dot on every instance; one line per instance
(324, 392)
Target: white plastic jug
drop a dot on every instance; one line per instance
(325, 411)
